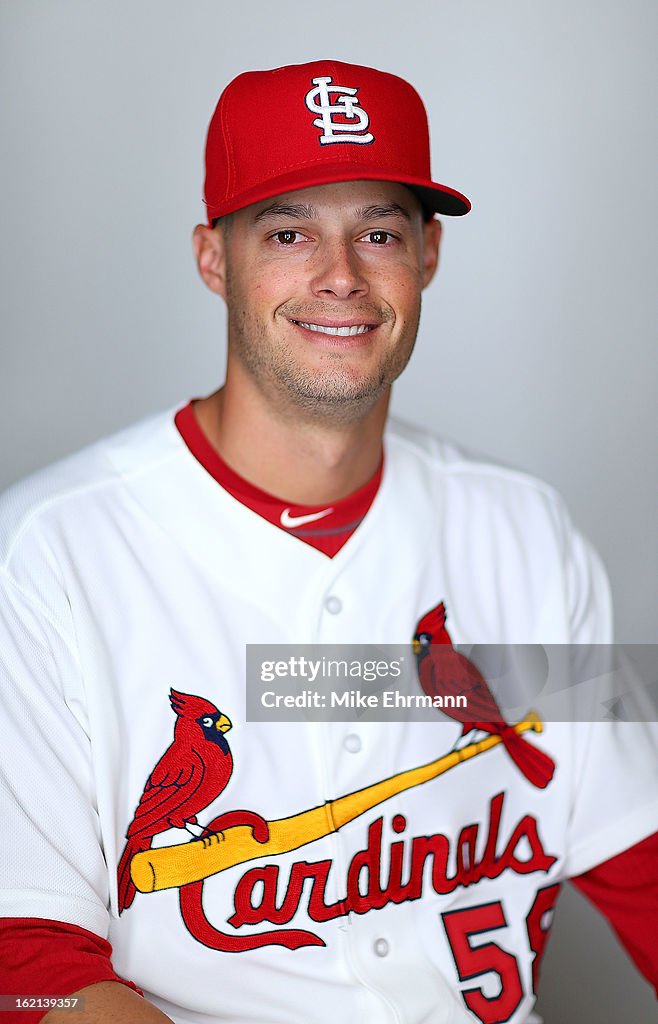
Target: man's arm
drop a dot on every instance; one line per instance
(625, 890)
(109, 1002)
(54, 873)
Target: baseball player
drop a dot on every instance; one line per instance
(164, 857)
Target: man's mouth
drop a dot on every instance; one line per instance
(347, 331)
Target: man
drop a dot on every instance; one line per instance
(315, 870)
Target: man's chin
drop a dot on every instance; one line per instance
(341, 400)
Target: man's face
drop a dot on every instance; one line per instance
(323, 288)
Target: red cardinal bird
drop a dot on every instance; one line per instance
(442, 670)
(191, 773)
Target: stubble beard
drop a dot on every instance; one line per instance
(335, 392)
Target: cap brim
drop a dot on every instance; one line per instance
(441, 199)
(435, 198)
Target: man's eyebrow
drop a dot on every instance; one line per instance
(387, 210)
(298, 211)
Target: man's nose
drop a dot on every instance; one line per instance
(339, 271)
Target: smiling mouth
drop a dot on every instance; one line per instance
(341, 332)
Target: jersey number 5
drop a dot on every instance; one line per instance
(487, 957)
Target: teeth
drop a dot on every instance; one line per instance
(343, 332)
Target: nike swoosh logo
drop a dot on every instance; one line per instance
(290, 521)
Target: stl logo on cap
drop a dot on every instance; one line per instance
(346, 106)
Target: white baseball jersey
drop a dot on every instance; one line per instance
(127, 571)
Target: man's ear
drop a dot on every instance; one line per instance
(210, 251)
(431, 243)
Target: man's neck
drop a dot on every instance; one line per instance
(300, 461)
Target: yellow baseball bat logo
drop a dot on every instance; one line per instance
(170, 867)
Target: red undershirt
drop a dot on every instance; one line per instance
(325, 527)
(53, 958)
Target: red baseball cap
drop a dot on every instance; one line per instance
(314, 124)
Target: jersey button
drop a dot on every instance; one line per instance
(381, 947)
(333, 604)
(352, 743)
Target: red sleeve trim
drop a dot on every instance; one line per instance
(50, 958)
(625, 890)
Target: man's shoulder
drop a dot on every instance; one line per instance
(445, 461)
(500, 526)
(95, 474)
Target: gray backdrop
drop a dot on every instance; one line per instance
(537, 344)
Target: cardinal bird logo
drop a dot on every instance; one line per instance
(191, 773)
(442, 671)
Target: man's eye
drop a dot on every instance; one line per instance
(378, 237)
(286, 237)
